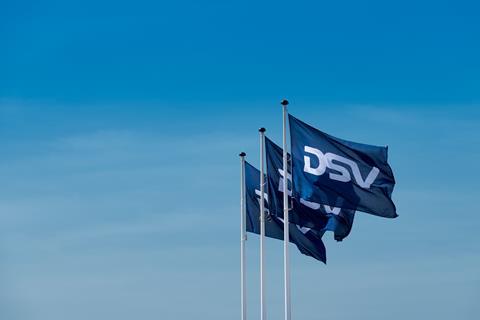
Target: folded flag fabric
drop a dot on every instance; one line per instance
(307, 240)
(304, 213)
(330, 171)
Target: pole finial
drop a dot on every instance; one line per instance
(284, 102)
(262, 129)
(242, 154)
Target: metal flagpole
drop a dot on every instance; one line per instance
(263, 311)
(286, 224)
(243, 238)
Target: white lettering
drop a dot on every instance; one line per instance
(265, 196)
(302, 229)
(341, 173)
(311, 205)
(289, 181)
(259, 194)
(333, 210)
(322, 164)
(316, 206)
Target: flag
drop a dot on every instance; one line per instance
(307, 240)
(340, 173)
(304, 213)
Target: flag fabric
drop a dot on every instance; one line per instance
(305, 213)
(307, 240)
(339, 173)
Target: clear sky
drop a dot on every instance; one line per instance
(120, 128)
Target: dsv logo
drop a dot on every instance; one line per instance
(340, 173)
(269, 218)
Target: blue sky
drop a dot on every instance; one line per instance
(120, 128)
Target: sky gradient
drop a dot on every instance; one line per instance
(120, 128)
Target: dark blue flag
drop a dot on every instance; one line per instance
(304, 213)
(308, 241)
(340, 173)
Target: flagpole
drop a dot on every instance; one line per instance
(286, 224)
(263, 311)
(243, 238)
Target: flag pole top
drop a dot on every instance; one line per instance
(284, 102)
(242, 154)
(262, 129)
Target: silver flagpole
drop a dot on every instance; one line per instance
(286, 225)
(263, 311)
(243, 238)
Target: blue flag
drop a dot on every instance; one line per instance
(307, 240)
(304, 213)
(340, 173)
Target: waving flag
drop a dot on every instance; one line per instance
(339, 173)
(307, 240)
(305, 213)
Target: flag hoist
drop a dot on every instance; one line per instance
(263, 311)
(286, 228)
(243, 238)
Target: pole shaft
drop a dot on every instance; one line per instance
(286, 226)
(243, 238)
(263, 311)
